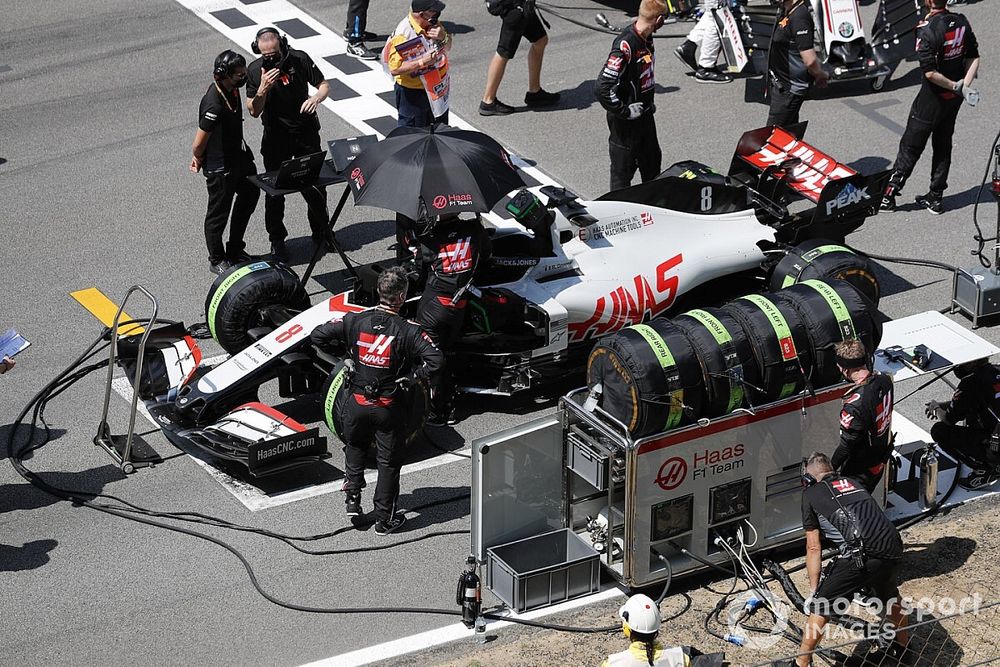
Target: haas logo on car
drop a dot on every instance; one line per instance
(630, 303)
(457, 256)
(375, 349)
(674, 471)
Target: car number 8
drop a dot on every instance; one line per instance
(284, 336)
(706, 198)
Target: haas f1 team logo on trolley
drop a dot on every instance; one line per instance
(710, 462)
(630, 303)
(672, 473)
(456, 257)
(375, 349)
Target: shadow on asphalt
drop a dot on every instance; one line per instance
(27, 497)
(30, 556)
(22, 434)
(942, 556)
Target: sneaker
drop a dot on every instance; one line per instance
(495, 108)
(366, 36)
(239, 257)
(386, 526)
(685, 53)
(279, 252)
(888, 202)
(978, 479)
(352, 503)
(541, 98)
(441, 419)
(359, 50)
(932, 202)
(220, 267)
(705, 75)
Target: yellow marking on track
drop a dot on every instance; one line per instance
(104, 309)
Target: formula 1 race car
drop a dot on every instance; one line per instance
(563, 273)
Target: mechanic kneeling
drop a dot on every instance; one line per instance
(869, 556)
(450, 251)
(865, 419)
(385, 349)
(977, 443)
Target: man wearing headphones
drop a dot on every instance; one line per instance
(220, 152)
(870, 551)
(278, 90)
(384, 348)
(865, 419)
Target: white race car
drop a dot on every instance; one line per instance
(562, 273)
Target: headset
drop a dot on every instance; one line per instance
(282, 40)
(225, 62)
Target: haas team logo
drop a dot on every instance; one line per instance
(672, 473)
(375, 349)
(457, 256)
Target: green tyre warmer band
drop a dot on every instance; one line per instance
(808, 257)
(825, 260)
(727, 346)
(669, 367)
(228, 280)
(839, 308)
(330, 400)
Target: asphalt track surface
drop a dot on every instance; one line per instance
(98, 102)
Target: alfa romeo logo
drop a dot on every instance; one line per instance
(440, 201)
(672, 473)
(845, 29)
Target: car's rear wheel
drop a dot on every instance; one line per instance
(246, 298)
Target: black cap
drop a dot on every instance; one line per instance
(418, 6)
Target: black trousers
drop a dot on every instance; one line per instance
(386, 425)
(233, 199)
(632, 144)
(842, 579)
(930, 118)
(275, 148)
(784, 106)
(357, 20)
(966, 445)
(444, 325)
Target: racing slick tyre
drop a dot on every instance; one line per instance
(833, 311)
(336, 390)
(237, 298)
(820, 260)
(779, 341)
(729, 371)
(650, 376)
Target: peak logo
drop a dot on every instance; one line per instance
(631, 304)
(375, 349)
(849, 196)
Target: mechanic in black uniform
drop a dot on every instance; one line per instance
(278, 89)
(865, 419)
(793, 66)
(977, 443)
(384, 348)
(949, 58)
(625, 89)
(221, 154)
(869, 556)
(450, 251)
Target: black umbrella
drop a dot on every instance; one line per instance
(428, 171)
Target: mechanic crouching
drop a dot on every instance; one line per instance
(450, 250)
(870, 552)
(865, 419)
(385, 350)
(977, 443)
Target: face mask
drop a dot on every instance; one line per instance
(271, 61)
(240, 81)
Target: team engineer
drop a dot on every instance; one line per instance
(385, 348)
(865, 419)
(278, 92)
(869, 556)
(793, 67)
(625, 89)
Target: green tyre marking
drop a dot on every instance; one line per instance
(723, 338)
(837, 305)
(781, 330)
(331, 399)
(230, 280)
(810, 256)
(666, 360)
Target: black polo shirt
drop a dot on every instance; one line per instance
(793, 33)
(222, 118)
(853, 513)
(944, 42)
(285, 98)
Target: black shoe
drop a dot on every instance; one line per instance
(932, 202)
(495, 108)
(279, 253)
(685, 52)
(705, 75)
(386, 526)
(978, 479)
(239, 257)
(352, 503)
(366, 36)
(359, 50)
(441, 418)
(541, 98)
(220, 267)
(888, 202)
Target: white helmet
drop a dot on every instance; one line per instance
(641, 614)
